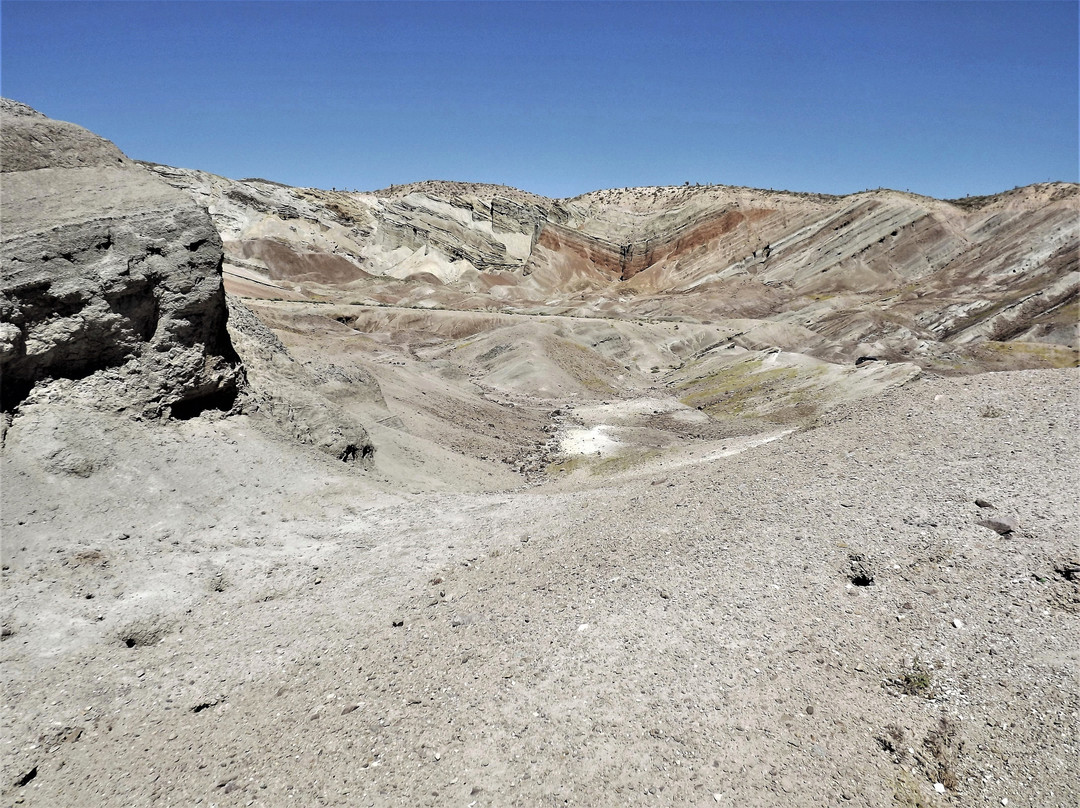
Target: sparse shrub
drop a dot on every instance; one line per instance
(894, 741)
(990, 411)
(915, 680)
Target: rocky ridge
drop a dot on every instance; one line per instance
(112, 296)
(966, 284)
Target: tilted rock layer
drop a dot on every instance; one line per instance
(973, 284)
(110, 278)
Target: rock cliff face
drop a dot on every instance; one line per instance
(112, 295)
(965, 284)
(111, 280)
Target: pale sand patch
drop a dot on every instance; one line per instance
(593, 440)
(740, 445)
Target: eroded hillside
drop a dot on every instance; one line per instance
(747, 311)
(891, 274)
(654, 496)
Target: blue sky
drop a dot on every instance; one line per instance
(941, 98)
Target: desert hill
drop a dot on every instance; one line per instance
(759, 309)
(906, 276)
(451, 494)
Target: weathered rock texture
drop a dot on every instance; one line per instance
(111, 280)
(971, 284)
(285, 391)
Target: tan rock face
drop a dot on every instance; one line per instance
(111, 279)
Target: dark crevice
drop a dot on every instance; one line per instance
(26, 778)
(1069, 570)
(221, 399)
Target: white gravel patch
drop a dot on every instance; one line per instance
(742, 444)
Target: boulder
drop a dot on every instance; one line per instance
(1002, 525)
(110, 280)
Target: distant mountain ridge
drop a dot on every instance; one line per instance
(884, 273)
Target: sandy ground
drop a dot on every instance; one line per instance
(198, 613)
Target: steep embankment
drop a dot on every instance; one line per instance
(111, 285)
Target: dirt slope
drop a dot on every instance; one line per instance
(691, 634)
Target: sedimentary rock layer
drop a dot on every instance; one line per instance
(109, 276)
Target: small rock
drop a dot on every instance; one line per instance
(957, 622)
(1068, 568)
(810, 709)
(982, 503)
(861, 573)
(939, 788)
(1002, 525)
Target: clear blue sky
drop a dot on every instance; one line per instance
(942, 98)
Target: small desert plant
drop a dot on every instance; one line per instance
(990, 411)
(894, 741)
(915, 680)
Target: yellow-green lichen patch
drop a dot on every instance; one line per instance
(743, 388)
(1023, 355)
(611, 465)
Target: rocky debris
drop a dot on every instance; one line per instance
(713, 684)
(1002, 525)
(111, 281)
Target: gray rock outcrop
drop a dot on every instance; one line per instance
(110, 288)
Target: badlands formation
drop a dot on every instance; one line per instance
(450, 494)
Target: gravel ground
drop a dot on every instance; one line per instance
(198, 613)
